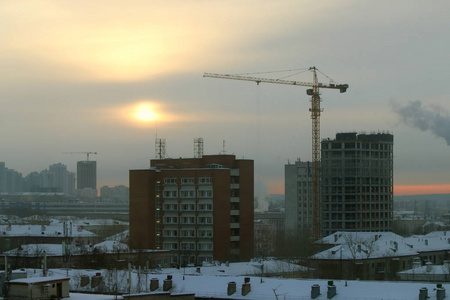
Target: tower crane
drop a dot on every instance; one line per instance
(87, 154)
(315, 116)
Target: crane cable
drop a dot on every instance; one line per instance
(258, 142)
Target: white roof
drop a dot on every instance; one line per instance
(364, 245)
(32, 280)
(34, 249)
(112, 246)
(42, 230)
(428, 270)
(429, 242)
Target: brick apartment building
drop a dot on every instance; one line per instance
(201, 209)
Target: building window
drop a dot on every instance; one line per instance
(205, 233)
(189, 180)
(188, 207)
(205, 193)
(187, 220)
(234, 193)
(187, 246)
(205, 220)
(170, 246)
(171, 207)
(171, 233)
(188, 233)
(205, 246)
(205, 207)
(170, 181)
(188, 194)
(171, 220)
(170, 194)
(204, 180)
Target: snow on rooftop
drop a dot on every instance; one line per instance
(42, 230)
(90, 222)
(205, 285)
(39, 279)
(364, 245)
(112, 247)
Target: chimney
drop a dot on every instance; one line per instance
(42, 227)
(315, 291)
(359, 248)
(426, 242)
(246, 287)
(96, 280)
(416, 263)
(440, 293)
(423, 293)
(231, 288)
(84, 280)
(331, 290)
(154, 284)
(446, 265)
(429, 267)
(167, 283)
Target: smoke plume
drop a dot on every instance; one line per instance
(427, 118)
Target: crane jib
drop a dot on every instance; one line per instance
(342, 87)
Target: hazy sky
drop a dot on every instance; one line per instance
(73, 72)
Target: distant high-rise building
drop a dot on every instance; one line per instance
(63, 180)
(298, 197)
(86, 175)
(2, 177)
(10, 180)
(201, 209)
(357, 182)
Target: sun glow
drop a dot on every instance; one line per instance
(145, 112)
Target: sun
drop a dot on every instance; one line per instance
(144, 112)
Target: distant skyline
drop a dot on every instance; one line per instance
(110, 76)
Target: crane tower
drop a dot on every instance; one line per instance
(315, 116)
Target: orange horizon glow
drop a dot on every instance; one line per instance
(402, 190)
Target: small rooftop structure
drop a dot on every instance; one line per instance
(41, 288)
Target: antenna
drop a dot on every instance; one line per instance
(198, 147)
(223, 148)
(160, 148)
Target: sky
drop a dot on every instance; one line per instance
(111, 76)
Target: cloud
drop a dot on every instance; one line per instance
(431, 118)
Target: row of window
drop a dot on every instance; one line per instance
(187, 220)
(188, 207)
(188, 194)
(204, 233)
(188, 180)
(188, 246)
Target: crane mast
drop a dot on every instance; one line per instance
(315, 116)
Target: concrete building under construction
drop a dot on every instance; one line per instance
(357, 182)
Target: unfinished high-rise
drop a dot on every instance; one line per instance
(357, 182)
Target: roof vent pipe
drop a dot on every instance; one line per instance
(423, 293)
(440, 293)
(429, 267)
(315, 291)
(331, 291)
